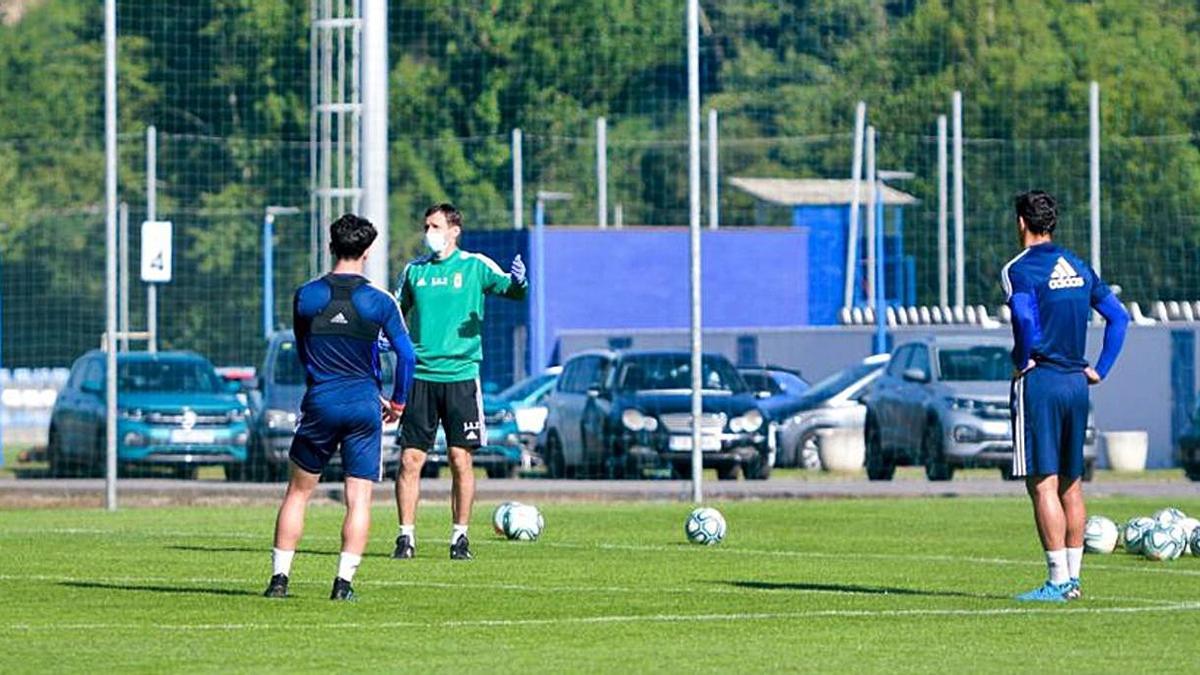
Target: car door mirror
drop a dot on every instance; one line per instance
(91, 387)
(916, 375)
(594, 392)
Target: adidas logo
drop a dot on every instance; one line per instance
(472, 436)
(1064, 276)
(339, 318)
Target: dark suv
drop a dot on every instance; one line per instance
(619, 413)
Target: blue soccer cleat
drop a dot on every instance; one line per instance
(1075, 592)
(1047, 592)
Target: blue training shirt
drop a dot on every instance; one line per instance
(346, 368)
(1051, 293)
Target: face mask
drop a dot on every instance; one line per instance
(436, 241)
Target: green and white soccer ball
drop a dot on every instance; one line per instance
(1134, 533)
(1163, 542)
(498, 516)
(705, 526)
(1099, 535)
(523, 522)
(1195, 541)
(1189, 525)
(1168, 515)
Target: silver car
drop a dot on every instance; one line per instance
(943, 403)
(832, 403)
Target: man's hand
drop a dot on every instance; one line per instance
(1019, 372)
(391, 411)
(1092, 376)
(517, 271)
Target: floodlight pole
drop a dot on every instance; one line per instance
(960, 289)
(602, 173)
(943, 235)
(693, 60)
(268, 246)
(538, 321)
(123, 274)
(151, 215)
(860, 121)
(110, 250)
(374, 156)
(872, 221)
(518, 181)
(1094, 174)
(714, 203)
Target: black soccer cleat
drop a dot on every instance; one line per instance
(277, 588)
(404, 548)
(461, 549)
(342, 590)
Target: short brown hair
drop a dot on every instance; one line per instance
(453, 215)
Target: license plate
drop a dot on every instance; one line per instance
(193, 436)
(684, 443)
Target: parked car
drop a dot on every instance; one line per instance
(832, 403)
(1188, 448)
(619, 413)
(517, 415)
(779, 391)
(944, 403)
(173, 410)
(275, 402)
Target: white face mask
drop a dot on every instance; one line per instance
(436, 241)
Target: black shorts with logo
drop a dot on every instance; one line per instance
(457, 406)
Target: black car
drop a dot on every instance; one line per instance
(620, 413)
(1188, 451)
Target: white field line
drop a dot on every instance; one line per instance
(226, 582)
(1089, 563)
(613, 619)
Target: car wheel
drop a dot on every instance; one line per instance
(936, 467)
(757, 469)
(430, 470)
(729, 472)
(98, 464)
(1006, 473)
(1192, 471)
(1089, 470)
(185, 472)
(58, 466)
(556, 464)
(503, 471)
(235, 473)
(879, 465)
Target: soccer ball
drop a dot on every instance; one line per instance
(705, 526)
(498, 516)
(1163, 542)
(523, 522)
(1100, 535)
(1189, 525)
(1168, 515)
(1195, 542)
(1135, 532)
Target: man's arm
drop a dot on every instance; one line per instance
(406, 356)
(1116, 321)
(513, 285)
(300, 326)
(1022, 300)
(404, 293)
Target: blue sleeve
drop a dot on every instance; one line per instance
(301, 323)
(1116, 321)
(1022, 300)
(388, 316)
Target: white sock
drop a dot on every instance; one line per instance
(281, 561)
(1056, 562)
(409, 531)
(348, 565)
(456, 532)
(1074, 561)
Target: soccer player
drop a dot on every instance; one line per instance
(1052, 293)
(338, 319)
(442, 295)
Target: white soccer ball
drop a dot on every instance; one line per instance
(1168, 515)
(705, 526)
(1100, 535)
(1135, 531)
(498, 516)
(1189, 525)
(1195, 541)
(1163, 542)
(523, 522)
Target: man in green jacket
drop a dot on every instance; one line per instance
(442, 297)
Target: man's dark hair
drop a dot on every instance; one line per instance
(1039, 211)
(350, 236)
(453, 215)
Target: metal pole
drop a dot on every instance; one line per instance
(693, 56)
(151, 215)
(375, 134)
(860, 121)
(110, 252)
(872, 223)
(518, 178)
(714, 203)
(314, 94)
(539, 286)
(123, 275)
(943, 217)
(960, 288)
(602, 172)
(268, 245)
(880, 249)
(1094, 161)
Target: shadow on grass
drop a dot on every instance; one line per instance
(258, 550)
(143, 588)
(853, 589)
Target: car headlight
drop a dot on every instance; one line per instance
(967, 434)
(132, 414)
(238, 415)
(281, 419)
(635, 420)
(750, 421)
(964, 403)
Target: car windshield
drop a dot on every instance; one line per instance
(168, 375)
(289, 372)
(837, 382)
(525, 388)
(758, 381)
(674, 371)
(974, 364)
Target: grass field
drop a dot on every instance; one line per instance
(865, 585)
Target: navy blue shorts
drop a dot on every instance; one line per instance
(1049, 416)
(354, 427)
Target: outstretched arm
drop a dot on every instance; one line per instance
(513, 285)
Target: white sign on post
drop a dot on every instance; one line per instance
(156, 251)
